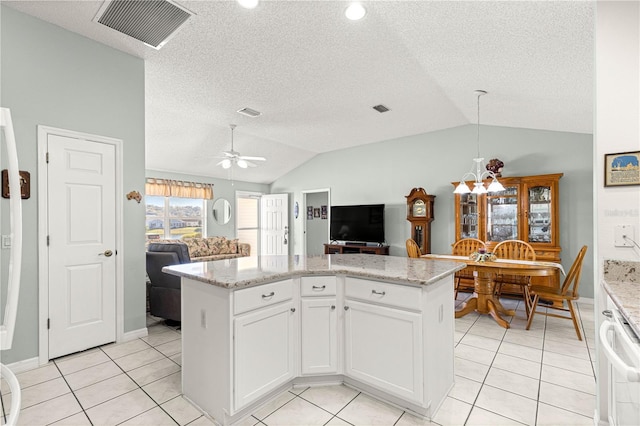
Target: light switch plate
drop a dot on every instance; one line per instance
(6, 241)
(620, 232)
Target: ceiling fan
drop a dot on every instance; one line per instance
(234, 157)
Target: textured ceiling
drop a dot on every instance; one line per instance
(315, 75)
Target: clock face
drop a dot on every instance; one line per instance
(419, 209)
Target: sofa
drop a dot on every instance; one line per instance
(164, 289)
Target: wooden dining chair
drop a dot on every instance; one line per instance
(567, 293)
(515, 250)
(413, 249)
(465, 247)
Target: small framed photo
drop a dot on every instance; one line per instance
(316, 212)
(309, 212)
(622, 169)
(323, 212)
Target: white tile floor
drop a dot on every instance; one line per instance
(544, 376)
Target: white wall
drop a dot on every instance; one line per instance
(317, 228)
(385, 173)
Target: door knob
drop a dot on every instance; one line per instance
(107, 253)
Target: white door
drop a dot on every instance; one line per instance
(383, 347)
(274, 224)
(264, 352)
(81, 233)
(319, 348)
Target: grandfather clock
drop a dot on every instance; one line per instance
(420, 214)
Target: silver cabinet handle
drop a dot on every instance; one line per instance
(319, 287)
(107, 253)
(378, 293)
(293, 309)
(266, 296)
(346, 308)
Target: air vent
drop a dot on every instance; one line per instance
(381, 108)
(249, 112)
(153, 22)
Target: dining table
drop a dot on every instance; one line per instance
(484, 300)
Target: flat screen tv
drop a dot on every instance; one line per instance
(358, 224)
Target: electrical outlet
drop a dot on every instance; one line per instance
(622, 231)
(6, 241)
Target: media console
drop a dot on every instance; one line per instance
(348, 248)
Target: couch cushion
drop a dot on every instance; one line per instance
(216, 245)
(197, 247)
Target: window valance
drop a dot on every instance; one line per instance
(178, 188)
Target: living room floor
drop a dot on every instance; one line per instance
(543, 376)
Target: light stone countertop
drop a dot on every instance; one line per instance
(249, 271)
(621, 280)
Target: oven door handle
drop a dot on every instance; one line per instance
(632, 374)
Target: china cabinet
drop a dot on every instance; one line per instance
(526, 210)
(420, 214)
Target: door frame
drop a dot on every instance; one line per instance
(43, 231)
(303, 213)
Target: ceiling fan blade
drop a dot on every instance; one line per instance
(229, 154)
(250, 164)
(244, 157)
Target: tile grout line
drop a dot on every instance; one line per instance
(73, 393)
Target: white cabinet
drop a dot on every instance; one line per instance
(318, 325)
(383, 348)
(264, 352)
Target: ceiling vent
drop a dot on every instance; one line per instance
(381, 108)
(153, 22)
(249, 112)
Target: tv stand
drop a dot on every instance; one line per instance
(355, 248)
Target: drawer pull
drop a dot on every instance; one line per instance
(379, 293)
(268, 296)
(293, 309)
(346, 308)
(333, 307)
(321, 287)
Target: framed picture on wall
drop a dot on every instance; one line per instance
(622, 169)
(309, 212)
(323, 212)
(316, 212)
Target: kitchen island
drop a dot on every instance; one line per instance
(253, 327)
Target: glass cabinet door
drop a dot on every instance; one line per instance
(539, 214)
(469, 220)
(502, 214)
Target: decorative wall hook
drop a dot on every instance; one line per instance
(134, 195)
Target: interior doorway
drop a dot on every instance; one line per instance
(316, 216)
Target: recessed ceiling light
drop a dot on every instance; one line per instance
(248, 4)
(249, 112)
(355, 12)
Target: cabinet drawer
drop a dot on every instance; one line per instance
(400, 296)
(263, 295)
(318, 286)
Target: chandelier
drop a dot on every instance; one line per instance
(480, 170)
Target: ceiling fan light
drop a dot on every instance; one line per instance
(226, 163)
(242, 164)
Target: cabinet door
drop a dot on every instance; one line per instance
(468, 215)
(383, 348)
(503, 214)
(319, 349)
(264, 352)
(540, 213)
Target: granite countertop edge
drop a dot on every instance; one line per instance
(625, 303)
(268, 277)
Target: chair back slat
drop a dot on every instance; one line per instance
(514, 249)
(467, 246)
(413, 249)
(572, 280)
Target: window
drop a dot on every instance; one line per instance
(248, 219)
(174, 218)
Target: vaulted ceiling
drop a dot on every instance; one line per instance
(315, 76)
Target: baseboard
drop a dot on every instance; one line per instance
(24, 365)
(135, 334)
(586, 300)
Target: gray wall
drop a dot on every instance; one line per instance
(222, 188)
(53, 77)
(317, 228)
(385, 173)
